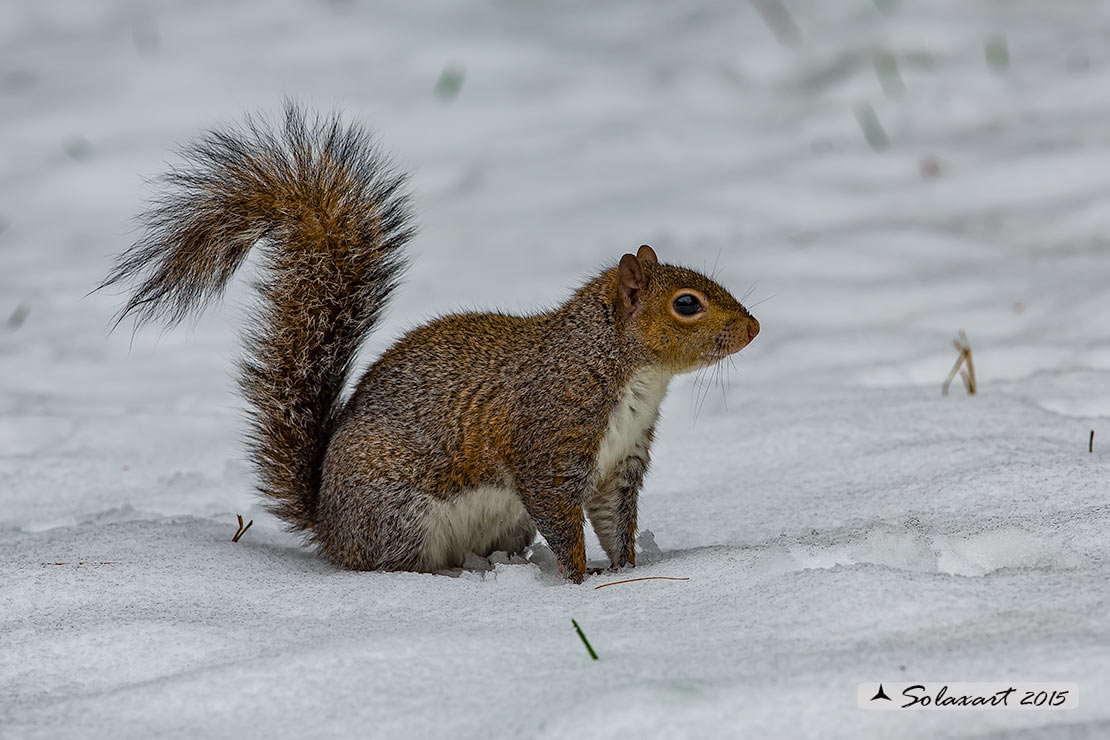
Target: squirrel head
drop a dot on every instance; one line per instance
(684, 319)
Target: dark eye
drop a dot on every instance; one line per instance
(687, 305)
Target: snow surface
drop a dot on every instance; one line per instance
(838, 519)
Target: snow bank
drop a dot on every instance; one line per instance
(838, 520)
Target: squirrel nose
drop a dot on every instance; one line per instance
(753, 328)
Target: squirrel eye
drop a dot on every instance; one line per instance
(687, 305)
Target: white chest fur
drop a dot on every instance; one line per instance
(493, 518)
(635, 413)
(481, 520)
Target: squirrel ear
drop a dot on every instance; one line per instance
(646, 255)
(631, 278)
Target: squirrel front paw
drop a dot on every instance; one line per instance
(575, 576)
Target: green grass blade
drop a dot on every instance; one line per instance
(584, 640)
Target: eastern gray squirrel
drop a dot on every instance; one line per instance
(470, 433)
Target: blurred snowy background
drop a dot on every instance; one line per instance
(880, 173)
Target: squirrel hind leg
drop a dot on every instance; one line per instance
(367, 524)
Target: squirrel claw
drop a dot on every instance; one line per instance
(571, 575)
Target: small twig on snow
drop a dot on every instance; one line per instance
(83, 562)
(242, 530)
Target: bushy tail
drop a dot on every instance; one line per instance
(330, 214)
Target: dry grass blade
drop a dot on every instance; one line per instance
(645, 578)
(242, 530)
(962, 361)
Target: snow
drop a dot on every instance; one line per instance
(838, 519)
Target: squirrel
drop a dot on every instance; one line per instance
(472, 432)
